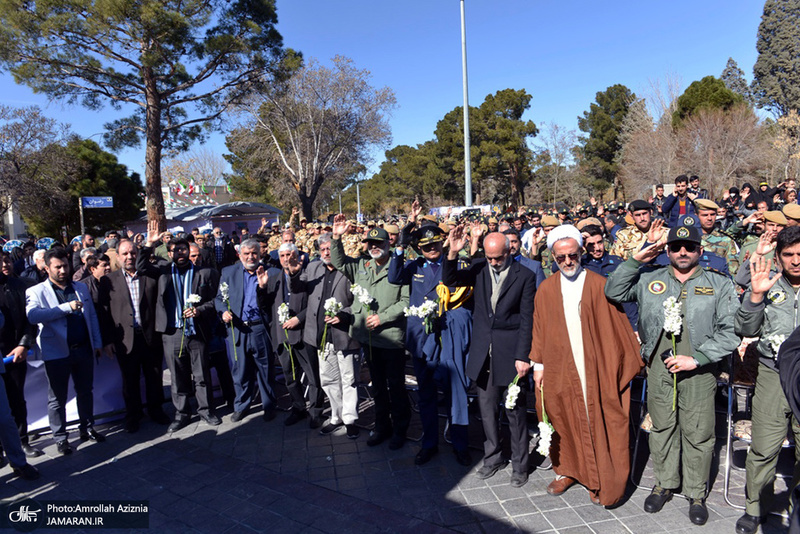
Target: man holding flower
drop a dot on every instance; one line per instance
(681, 381)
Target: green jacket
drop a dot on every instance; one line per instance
(709, 307)
(776, 315)
(390, 300)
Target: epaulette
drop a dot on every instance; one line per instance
(710, 269)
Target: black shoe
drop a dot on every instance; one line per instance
(295, 417)
(131, 426)
(657, 499)
(177, 424)
(92, 435)
(352, 431)
(376, 438)
(698, 513)
(3, 460)
(63, 447)
(396, 442)
(269, 415)
(518, 479)
(211, 419)
(424, 455)
(159, 417)
(31, 452)
(488, 471)
(463, 458)
(329, 428)
(26, 472)
(747, 524)
(237, 416)
(314, 423)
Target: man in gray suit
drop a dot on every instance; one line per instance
(68, 338)
(338, 357)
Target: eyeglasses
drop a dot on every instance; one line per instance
(561, 257)
(677, 246)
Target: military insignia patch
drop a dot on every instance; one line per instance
(682, 232)
(657, 287)
(704, 291)
(688, 221)
(429, 234)
(776, 296)
(374, 233)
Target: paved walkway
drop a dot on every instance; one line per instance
(265, 477)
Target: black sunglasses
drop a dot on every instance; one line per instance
(678, 245)
(561, 257)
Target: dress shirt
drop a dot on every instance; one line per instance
(77, 332)
(133, 289)
(250, 302)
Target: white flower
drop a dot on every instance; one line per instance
(332, 307)
(775, 341)
(193, 299)
(424, 310)
(545, 438)
(283, 313)
(672, 316)
(361, 295)
(511, 396)
(224, 291)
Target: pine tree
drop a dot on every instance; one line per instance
(776, 74)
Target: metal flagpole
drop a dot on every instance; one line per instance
(467, 161)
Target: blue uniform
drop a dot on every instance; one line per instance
(423, 277)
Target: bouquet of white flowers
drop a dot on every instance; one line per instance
(673, 322)
(775, 341)
(284, 315)
(191, 300)
(512, 393)
(224, 291)
(366, 301)
(332, 309)
(545, 429)
(425, 311)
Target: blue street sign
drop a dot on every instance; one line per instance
(97, 202)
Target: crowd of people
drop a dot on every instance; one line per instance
(565, 305)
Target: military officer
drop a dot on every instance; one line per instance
(682, 354)
(630, 239)
(715, 241)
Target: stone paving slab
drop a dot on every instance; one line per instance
(254, 476)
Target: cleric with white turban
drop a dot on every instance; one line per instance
(565, 231)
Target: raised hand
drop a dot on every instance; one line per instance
(650, 252)
(415, 211)
(262, 276)
(152, 233)
(760, 282)
(657, 231)
(475, 230)
(340, 226)
(766, 243)
(457, 238)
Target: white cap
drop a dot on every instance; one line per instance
(565, 231)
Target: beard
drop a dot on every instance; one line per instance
(571, 271)
(377, 253)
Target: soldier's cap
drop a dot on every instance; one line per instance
(376, 234)
(776, 217)
(563, 210)
(427, 234)
(587, 222)
(534, 213)
(493, 220)
(370, 223)
(430, 218)
(584, 207)
(705, 204)
(629, 219)
(351, 222)
(792, 211)
(612, 206)
(549, 220)
(638, 205)
(391, 228)
(684, 233)
(451, 222)
(309, 226)
(276, 225)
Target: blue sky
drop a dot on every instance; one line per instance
(562, 53)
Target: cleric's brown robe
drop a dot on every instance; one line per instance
(594, 452)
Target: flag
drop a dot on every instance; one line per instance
(214, 192)
(203, 189)
(191, 187)
(180, 189)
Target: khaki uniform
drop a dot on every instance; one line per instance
(274, 242)
(629, 241)
(352, 245)
(724, 247)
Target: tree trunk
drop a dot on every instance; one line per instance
(306, 205)
(154, 203)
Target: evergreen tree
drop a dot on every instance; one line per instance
(733, 78)
(708, 93)
(776, 74)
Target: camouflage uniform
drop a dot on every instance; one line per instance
(274, 242)
(629, 241)
(724, 247)
(352, 245)
(300, 239)
(545, 256)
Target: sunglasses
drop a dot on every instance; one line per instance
(561, 257)
(676, 247)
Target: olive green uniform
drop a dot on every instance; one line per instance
(683, 437)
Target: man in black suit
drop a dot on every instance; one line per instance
(501, 341)
(222, 251)
(185, 327)
(246, 331)
(132, 309)
(287, 337)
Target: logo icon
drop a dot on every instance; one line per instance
(657, 287)
(373, 233)
(25, 515)
(682, 232)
